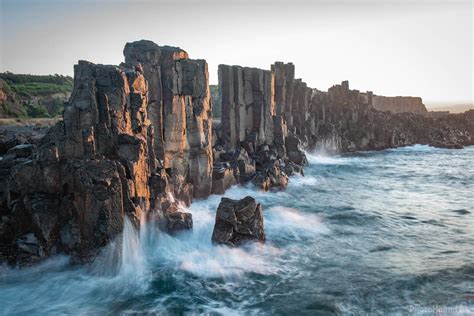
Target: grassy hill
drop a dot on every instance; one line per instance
(24, 96)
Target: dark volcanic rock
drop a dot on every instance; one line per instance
(179, 110)
(258, 106)
(88, 171)
(100, 163)
(176, 221)
(223, 177)
(135, 137)
(339, 120)
(238, 221)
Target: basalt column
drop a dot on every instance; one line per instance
(89, 171)
(180, 112)
(300, 108)
(248, 107)
(284, 90)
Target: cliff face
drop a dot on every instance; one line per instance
(346, 121)
(339, 120)
(10, 104)
(179, 109)
(248, 106)
(399, 104)
(70, 193)
(254, 141)
(137, 140)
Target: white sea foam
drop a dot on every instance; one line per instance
(298, 180)
(133, 260)
(321, 157)
(194, 252)
(303, 253)
(290, 221)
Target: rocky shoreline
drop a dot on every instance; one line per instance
(138, 140)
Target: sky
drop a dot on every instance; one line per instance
(418, 48)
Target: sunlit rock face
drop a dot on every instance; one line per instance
(179, 109)
(88, 172)
(137, 140)
(100, 164)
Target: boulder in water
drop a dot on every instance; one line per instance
(238, 221)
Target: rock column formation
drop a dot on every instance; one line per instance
(248, 106)
(339, 120)
(137, 140)
(255, 108)
(282, 114)
(180, 112)
(89, 171)
(104, 161)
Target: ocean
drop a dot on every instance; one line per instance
(387, 232)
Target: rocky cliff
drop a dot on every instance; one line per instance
(337, 120)
(254, 142)
(70, 193)
(180, 112)
(399, 104)
(138, 140)
(346, 121)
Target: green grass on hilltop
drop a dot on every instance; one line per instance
(37, 85)
(34, 96)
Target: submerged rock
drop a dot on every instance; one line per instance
(447, 145)
(176, 221)
(238, 221)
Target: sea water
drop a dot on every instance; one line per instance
(374, 232)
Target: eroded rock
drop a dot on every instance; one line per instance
(238, 221)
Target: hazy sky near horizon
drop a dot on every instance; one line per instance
(419, 48)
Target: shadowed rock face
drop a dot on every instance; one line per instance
(238, 221)
(339, 120)
(88, 172)
(179, 109)
(71, 193)
(256, 105)
(248, 106)
(344, 120)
